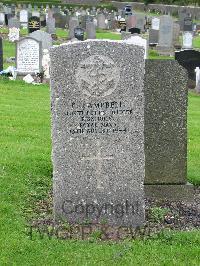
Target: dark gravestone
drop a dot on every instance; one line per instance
(189, 59)
(33, 24)
(1, 54)
(122, 25)
(134, 30)
(188, 26)
(60, 20)
(43, 20)
(153, 36)
(79, 33)
(165, 122)
(6, 19)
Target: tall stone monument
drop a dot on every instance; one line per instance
(166, 99)
(165, 41)
(98, 132)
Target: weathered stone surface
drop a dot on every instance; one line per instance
(43, 37)
(28, 56)
(153, 36)
(165, 122)
(90, 30)
(165, 40)
(97, 130)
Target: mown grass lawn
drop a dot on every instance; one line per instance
(26, 168)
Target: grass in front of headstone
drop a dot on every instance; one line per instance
(26, 179)
(153, 54)
(196, 42)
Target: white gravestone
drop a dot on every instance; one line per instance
(46, 64)
(13, 34)
(197, 70)
(23, 17)
(155, 24)
(187, 40)
(2, 19)
(28, 56)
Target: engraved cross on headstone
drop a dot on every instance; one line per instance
(99, 158)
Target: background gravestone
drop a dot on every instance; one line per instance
(73, 23)
(43, 37)
(101, 21)
(187, 40)
(131, 22)
(13, 23)
(155, 23)
(176, 34)
(2, 19)
(165, 122)
(140, 22)
(28, 56)
(24, 18)
(90, 30)
(189, 59)
(97, 128)
(51, 29)
(79, 33)
(165, 41)
(33, 24)
(188, 25)
(60, 20)
(153, 36)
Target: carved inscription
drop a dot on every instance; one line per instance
(99, 117)
(97, 76)
(99, 158)
(28, 56)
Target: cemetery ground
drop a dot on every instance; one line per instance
(27, 179)
(26, 192)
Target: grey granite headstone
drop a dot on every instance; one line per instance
(165, 40)
(43, 37)
(153, 36)
(61, 20)
(73, 23)
(90, 30)
(176, 34)
(165, 122)
(101, 21)
(51, 29)
(97, 129)
(13, 23)
(166, 31)
(140, 21)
